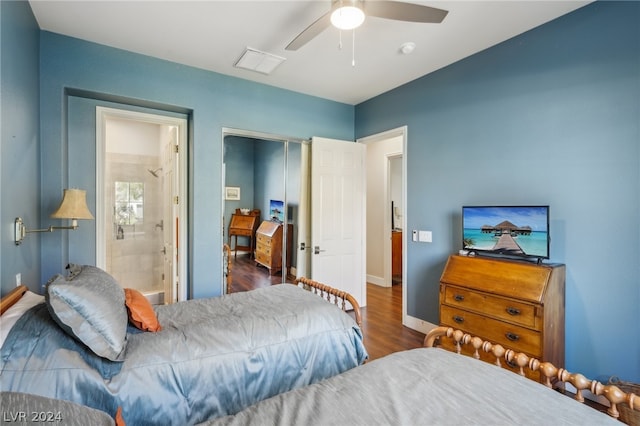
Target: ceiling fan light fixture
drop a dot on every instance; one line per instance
(348, 15)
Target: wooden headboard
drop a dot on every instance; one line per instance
(10, 299)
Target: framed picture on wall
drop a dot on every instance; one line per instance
(232, 193)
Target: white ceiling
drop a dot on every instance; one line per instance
(213, 34)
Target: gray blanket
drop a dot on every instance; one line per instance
(213, 357)
(426, 386)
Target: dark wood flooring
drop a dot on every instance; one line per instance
(381, 318)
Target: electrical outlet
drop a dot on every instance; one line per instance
(18, 279)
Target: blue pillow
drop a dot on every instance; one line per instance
(89, 305)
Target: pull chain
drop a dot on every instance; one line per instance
(353, 46)
(353, 49)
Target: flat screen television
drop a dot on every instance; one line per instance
(276, 210)
(521, 231)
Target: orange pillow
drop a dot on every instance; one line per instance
(118, 418)
(141, 313)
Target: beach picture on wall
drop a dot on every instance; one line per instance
(276, 210)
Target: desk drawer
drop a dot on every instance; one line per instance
(263, 248)
(261, 238)
(241, 232)
(497, 307)
(263, 258)
(509, 335)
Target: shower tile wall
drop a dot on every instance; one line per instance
(135, 260)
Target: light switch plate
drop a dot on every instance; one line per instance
(424, 236)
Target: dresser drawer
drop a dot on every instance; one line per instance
(497, 307)
(263, 258)
(264, 239)
(263, 248)
(509, 335)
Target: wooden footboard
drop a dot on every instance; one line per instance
(549, 372)
(12, 297)
(339, 297)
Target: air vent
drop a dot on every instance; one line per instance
(262, 62)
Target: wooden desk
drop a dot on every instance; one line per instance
(244, 225)
(517, 304)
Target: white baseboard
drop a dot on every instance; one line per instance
(379, 281)
(417, 324)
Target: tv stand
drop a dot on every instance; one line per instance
(517, 304)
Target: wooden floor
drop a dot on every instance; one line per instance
(381, 318)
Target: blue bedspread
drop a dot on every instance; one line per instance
(213, 357)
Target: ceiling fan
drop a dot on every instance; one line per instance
(349, 14)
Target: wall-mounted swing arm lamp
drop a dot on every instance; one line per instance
(73, 207)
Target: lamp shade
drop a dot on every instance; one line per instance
(73, 205)
(347, 15)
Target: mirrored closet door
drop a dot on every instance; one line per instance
(264, 185)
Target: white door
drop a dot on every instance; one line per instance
(337, 215)
(170, 215)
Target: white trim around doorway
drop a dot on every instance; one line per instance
(102, 115)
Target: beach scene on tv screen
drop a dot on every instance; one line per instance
(510, 230)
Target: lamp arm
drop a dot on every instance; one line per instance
(20, 230)
(74, 226)
(29, 231)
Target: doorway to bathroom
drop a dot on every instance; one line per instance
(141, 215)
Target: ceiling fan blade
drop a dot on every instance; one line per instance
(310, 32)
(404, 11)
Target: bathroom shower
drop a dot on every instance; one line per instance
(155, 172)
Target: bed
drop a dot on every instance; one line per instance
(433, 386)
(206, 357)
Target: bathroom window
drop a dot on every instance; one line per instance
(129, 208)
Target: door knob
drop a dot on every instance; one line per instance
(316, 250)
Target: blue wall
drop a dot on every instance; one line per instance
(549, 117)
(20, 148)
(70, 66)
(239, 159)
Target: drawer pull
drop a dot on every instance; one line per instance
(458, 297)
(513, 311)
(458, 319)
(512, 336)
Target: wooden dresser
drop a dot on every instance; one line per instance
(269, 246)
(517, 304)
